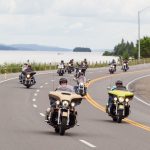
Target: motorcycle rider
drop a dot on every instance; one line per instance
(29, 69)
(118, 86)
(62, 64)
(125, 61)
(63, 86)
(113, 63)
(80, 79)
(24, 67)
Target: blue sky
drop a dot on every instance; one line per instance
(69, 23)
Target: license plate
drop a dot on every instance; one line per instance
(64, 114)
(121, 106)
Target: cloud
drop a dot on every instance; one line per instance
(67, 23)
(24, 7)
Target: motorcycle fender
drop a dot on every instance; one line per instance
(64, 114)
(121, 107)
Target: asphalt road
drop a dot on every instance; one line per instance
(22, 111)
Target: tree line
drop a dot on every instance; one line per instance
(128, 49)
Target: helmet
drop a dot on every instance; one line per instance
(119, 83)
(63, 80)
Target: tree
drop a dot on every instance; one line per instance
(81, 49)
(107, 53)
(145, 47)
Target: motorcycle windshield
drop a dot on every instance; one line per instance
(121, 93)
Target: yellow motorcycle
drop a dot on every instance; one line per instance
(119, 107)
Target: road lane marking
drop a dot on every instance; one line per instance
(35, 106)
(42, 114)
(8, 80)
(102, 108)
(46, 83)
(33, 99)
(87, 143)
(37, 90)
(35, 94)
(136, 96)
(41, 86)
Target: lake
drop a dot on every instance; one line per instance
(51, 57)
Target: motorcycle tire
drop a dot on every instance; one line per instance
(56, 130)
(62, 127)
(119, 117)
(28, 86)
(114, 119)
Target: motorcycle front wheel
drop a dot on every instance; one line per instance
(62, 127)
(119, 117)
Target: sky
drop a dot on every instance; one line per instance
(98, 24)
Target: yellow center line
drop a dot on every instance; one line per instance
(102, 108)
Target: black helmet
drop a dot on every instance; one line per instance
(63, 80)
(119, 83)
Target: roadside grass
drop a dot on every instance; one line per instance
(16, 67)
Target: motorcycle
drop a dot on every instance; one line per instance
(119, 108)
(112, 69)
(81, 89)
(61, 70)
(125, 67)
(70, 69)
(28, 79)
(63, 116)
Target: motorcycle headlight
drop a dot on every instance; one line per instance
(72, 104)
(127, 100)
(65, 104)
(115, 99)
(57, 102)
(81, 85)
(121, 99)
(28, 76)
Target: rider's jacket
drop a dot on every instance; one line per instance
(65, 87)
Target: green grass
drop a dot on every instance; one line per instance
(14, 67)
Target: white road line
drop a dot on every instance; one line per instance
(35, 106)
(142, 101)
(87, 143)
(41, 86)
(53, 80)
(8, 80)
(35, 94)
(37, 90)
(46, 83)
(42, 114)
(34, 100)
(136, 96)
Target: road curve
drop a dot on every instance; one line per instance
(22, 116)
